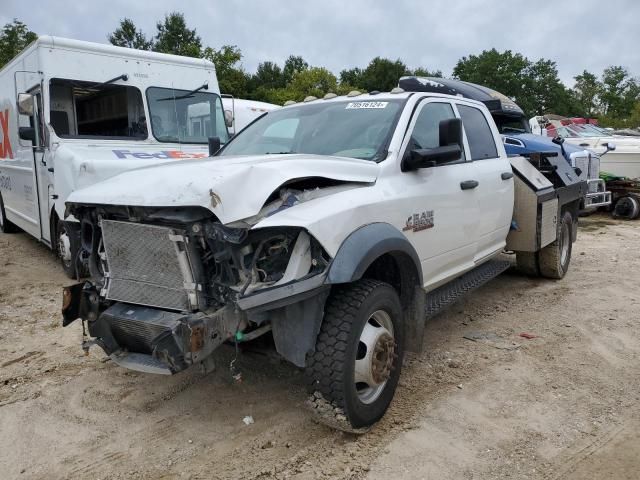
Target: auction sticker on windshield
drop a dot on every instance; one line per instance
(356, 105)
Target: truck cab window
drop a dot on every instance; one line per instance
(479, 135)
(181, 116)
(426, 131)
(88, 109)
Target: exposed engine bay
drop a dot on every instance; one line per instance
(168, 285)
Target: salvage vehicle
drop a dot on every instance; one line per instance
(323, 223)
(517, 135)
(622, 151)
(73, 113)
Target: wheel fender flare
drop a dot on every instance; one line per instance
(363, 246)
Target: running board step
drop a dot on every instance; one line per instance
(140, 362)
(442, 297)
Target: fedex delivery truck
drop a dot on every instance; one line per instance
(73, 113)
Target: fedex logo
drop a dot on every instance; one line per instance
(5, 146)
(165, 154)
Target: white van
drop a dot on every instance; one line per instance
(73, 113)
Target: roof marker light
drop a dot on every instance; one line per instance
(353, 93)
(329, 96)
(289, 102)
(374, 92)
(397, 90)
(310, 98)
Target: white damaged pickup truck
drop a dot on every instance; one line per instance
(337, 226)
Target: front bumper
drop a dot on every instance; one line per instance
(153, 340)
(597, 195)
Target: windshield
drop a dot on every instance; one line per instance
(181, 116)
(357, 129)
(509, 124)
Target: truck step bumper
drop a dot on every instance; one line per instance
(442, 297)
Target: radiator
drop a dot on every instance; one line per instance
(148, 265)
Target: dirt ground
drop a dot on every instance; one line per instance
(562, 405)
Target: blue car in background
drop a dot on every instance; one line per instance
(516, 133)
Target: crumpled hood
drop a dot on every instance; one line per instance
(233, 187)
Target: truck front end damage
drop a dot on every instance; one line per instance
(170, 285)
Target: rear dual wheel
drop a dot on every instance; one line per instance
(553, 260)
(354, 371)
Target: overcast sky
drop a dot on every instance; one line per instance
(577, 34)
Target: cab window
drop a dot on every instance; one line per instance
(426, 131)
(479, 134)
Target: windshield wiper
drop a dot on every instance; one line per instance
(280, 153)
(204, 86)
(124, 77)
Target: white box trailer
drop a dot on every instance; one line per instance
(73, 113)
(239, 112)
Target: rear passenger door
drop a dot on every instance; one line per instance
(492, 171)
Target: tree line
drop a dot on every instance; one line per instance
(613, 96)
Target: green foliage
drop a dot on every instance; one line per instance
(14, 37)
(424, 72)
(127, 35)
(620, 92)
(586, 93)
(293, 65)
(231, 77)
(268, 75)
(534, 86)
(174, 37)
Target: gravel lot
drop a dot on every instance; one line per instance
(562, 405)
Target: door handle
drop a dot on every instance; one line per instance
(469, 184)
(506, 175)
(584, 144)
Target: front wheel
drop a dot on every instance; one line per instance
(354, 371)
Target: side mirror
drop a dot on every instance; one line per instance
(450, 149)
(214, 145)
(558, 140)
(26, 104)
(27, 133)
(228, 118)
(610, 146)
(451, 132)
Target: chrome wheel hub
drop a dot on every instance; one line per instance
(375, 356)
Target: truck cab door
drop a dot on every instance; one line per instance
(492, 171)
(441, 212)
(42, 166)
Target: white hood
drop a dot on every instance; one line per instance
(233, 188)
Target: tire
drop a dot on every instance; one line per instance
(360, 319)
(554, 259)
(527, 263)
(5, 225)
(66, 250)
(627, 208)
